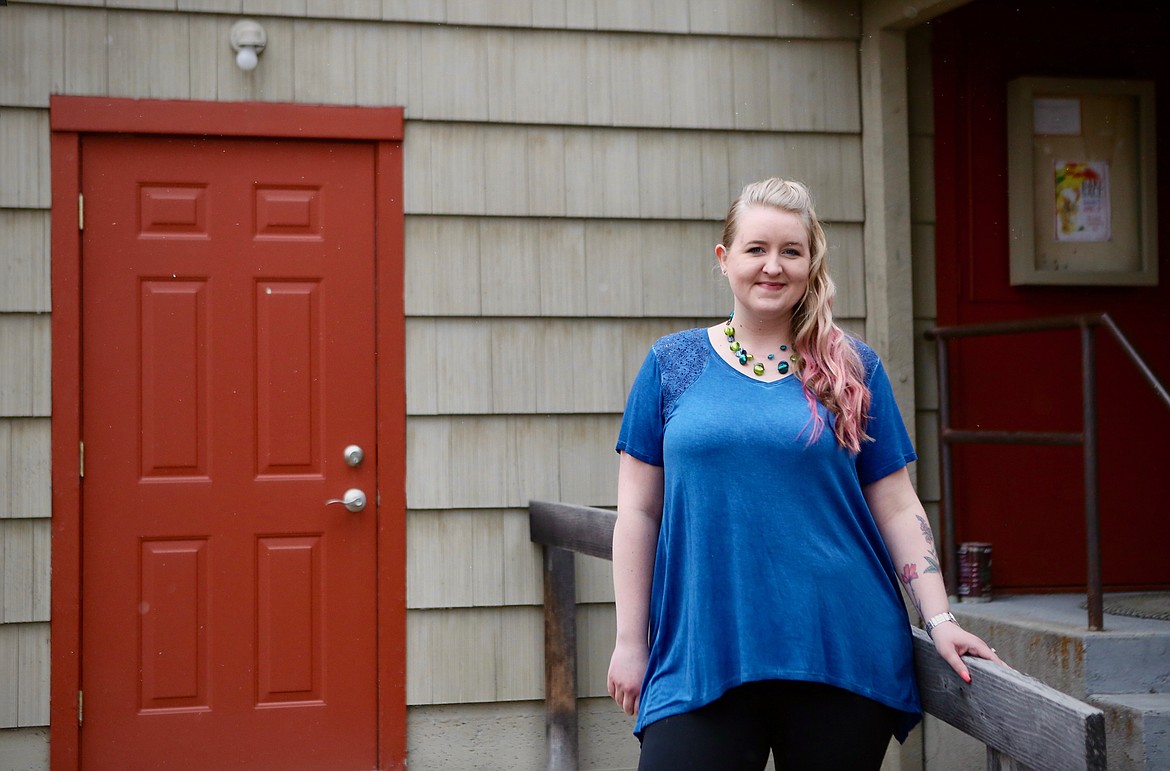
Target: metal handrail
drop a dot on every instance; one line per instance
(1087, 437)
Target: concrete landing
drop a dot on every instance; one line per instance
(1047, 637)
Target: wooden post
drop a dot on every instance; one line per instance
(1000, 761)
(560, 658)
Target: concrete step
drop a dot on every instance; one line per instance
(1047, 637)
(1123, 670)
(1137, 727)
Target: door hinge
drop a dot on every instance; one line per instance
(79, 708)
(81, 459)
(81, 211)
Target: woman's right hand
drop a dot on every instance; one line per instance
(627, 667)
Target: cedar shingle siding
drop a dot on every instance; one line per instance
(567, 165)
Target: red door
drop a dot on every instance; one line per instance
(1029, 501)
(228, 613)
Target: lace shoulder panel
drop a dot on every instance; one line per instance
(681, 359)
(868, 356)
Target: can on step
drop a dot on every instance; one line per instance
(975, 571)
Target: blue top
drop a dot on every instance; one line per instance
(769, 563)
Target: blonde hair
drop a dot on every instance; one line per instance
(829, 365)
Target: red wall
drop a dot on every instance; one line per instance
(1029, 501)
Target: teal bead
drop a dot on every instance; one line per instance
(782, 368)
(784, 347)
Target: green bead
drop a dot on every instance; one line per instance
(750, 357)
(729, 331)
(735, 347)
(758, 369)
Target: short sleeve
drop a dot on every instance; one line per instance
(642, 425)
(891, 448)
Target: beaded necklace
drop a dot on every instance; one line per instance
(744, 357)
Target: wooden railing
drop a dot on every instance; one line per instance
(1024, 723)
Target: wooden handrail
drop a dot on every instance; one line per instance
(1024, 723)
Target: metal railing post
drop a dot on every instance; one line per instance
(950, 549)
(1092, 516)
(1143, 368)
(1087, 438)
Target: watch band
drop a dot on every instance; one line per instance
(941, 618)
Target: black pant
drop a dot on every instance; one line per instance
(804, 725)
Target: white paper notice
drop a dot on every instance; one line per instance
(1056, 116)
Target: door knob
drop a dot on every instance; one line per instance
(354, 455)
(354, 500)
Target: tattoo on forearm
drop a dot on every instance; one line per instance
(931, 555)
(926, 533)
(909, 575)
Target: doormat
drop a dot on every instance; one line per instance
(1153, 605)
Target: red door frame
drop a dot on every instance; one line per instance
(70, 118)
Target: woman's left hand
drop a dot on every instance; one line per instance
(953, 642)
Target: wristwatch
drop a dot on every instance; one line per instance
(941, 618)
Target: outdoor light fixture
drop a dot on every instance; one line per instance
(248, 41)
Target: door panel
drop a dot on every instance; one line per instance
(228, 359)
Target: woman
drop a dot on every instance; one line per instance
(763, 504)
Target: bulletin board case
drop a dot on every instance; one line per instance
(1082, 194)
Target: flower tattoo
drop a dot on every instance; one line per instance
(926, 533)
(931, 556)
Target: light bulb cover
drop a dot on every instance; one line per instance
(247, 59)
